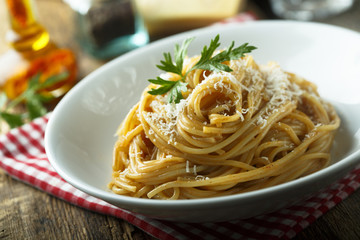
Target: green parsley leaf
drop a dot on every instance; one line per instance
(207, 61)
(207, 53)
(216, 63)
(173, 87)
(35, 108)
(165, 86)
(180, 53)
(14, 120)
(34, 82)
(52, 80)
(31, 97)
(175, 94)
(168, 64)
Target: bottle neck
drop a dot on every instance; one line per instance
(26, 35)
(21, 14)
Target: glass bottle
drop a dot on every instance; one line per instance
(108, 28)
(309, 10)
(33, 52)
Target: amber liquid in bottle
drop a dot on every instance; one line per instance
(35, 52)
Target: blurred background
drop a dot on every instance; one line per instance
(91, 32)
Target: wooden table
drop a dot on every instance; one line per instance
(27, 213)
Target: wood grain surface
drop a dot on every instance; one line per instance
(28, 213)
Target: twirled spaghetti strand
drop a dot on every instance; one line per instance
(252, 128)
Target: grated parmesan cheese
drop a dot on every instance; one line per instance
(277, 91)
(201, 177)
(187, 169)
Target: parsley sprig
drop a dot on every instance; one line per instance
(33, 99)
(207, 61)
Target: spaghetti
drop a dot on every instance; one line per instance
(248, 129)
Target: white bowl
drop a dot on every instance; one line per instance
(80, 134)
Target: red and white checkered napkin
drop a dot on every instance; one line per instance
(22, 156)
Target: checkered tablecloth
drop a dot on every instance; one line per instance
(22, 156)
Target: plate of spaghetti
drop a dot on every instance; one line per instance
(243, 118)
